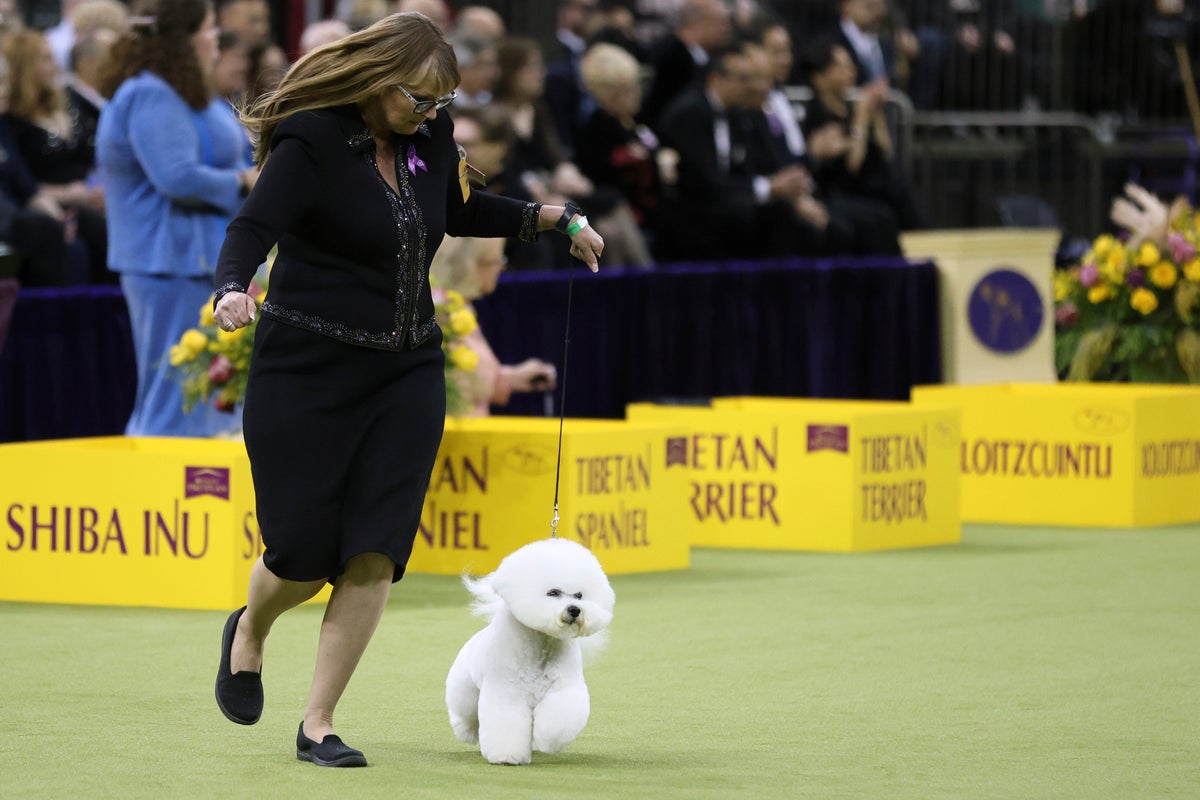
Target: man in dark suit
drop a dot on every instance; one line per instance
(842, 224)
(723, 206)
(859, 31)
(703, 26)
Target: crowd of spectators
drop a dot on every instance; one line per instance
(666, 119)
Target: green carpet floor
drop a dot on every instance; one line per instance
(1023, 663)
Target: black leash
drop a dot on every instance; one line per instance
(562, 400)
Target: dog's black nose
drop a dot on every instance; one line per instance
(572, 611)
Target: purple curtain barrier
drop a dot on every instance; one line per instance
(864, 329)
(67, 368)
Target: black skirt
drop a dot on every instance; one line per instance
(342, 440)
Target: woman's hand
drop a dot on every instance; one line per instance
(587, 245)
(534, 375)
(235, 310)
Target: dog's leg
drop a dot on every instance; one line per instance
(462, 701)
(505, 725)
(560, 716)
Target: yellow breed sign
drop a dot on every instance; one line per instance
(814, 475)
(131, 522)
(492, 491)
(1077, 454)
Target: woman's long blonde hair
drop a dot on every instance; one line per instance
(400, 48)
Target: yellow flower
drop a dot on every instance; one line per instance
(1099, 293)
(464, 358)
(1143, 300)
(1103, 244)
(225, 337)
(1114, 263)
(180, 355)
(1063, 283)
(463, 322)
(1164, 275)
(1114, 270)
(1192, 270)
(454, 300)
(194, 341)
(206, 314)
(1148, 255)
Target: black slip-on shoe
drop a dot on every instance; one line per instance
(240, 696)
(331, 752)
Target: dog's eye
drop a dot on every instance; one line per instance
(579, 595)
(554, 593)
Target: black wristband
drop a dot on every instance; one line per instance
(571, 210)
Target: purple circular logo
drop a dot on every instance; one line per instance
(1005, 311)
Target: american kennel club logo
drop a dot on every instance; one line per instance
(829, 437)
(198, 481)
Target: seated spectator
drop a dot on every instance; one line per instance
(614, 149)
(702, 27)
(724, 206)
(981, 67)
(472, 267)
(479, 22)
(859, 29)
(538, 160)
(861, 160)
(486, 135)
(52, 141)
(568, 102)
(31, 221)
(438, 11)
(84, 100)
(478, 70)
(614, 23)
(319, 33)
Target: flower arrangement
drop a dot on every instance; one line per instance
(212, 362)
(1130, 309)
(457, 321)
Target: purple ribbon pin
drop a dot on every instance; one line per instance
(414, 161)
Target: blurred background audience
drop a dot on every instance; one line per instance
(843, 121)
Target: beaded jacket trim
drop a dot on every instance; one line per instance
(528, 232)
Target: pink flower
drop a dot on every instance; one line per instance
(1089, 275)
(220, 371)
(1066, 315)
(1181, 249)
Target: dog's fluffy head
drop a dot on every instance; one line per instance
(555, 586)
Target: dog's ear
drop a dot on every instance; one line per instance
(485, 601)
(592, 647)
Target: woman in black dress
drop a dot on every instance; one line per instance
(346, 397)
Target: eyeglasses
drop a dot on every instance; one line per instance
(422, 107)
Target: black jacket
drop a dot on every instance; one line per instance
(353, 260)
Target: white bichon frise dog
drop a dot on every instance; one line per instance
(517, 685)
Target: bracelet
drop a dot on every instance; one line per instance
(568, 214)
(576, 226)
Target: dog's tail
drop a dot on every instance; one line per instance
(486, 603)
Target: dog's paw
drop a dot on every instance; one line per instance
(510, 760)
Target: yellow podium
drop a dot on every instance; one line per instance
(996, 300)
(814, 474)
(128, 522)
(1095, 455)
(171, 522)
(493, 491)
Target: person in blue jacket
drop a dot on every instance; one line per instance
(173, 163)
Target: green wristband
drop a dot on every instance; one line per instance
(576, 226)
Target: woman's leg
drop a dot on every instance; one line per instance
(353, 613)
(269, 597)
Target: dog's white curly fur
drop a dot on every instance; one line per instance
(517, 685)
